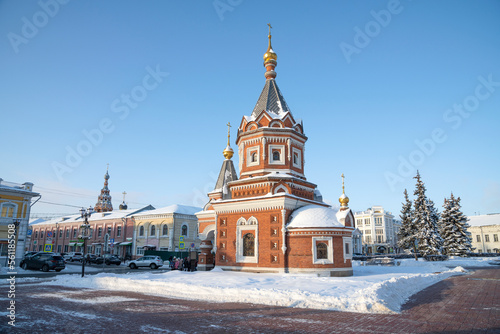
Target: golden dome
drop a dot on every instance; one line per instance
(343, 199)
(228, 152)
(270, 54)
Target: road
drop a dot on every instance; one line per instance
(460, 304)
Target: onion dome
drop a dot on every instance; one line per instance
(343, 199)
(270, 58)
(228, 151)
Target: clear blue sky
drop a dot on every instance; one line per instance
(366, 85)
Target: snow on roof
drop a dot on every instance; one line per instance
(175, 208)
(342, 214)
(96, 216)
(483, 220)
(314, 216)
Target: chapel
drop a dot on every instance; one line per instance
(271, 218)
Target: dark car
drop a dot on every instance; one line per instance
(44, 261)
(113, 259)
(108, 259)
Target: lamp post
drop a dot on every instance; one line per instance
(85, 233)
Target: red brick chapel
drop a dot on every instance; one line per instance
(272, 219)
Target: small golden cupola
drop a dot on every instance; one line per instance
(228, 151)
(343, 199)
(270, 58)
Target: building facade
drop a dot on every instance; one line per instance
(15, 208)
(485, 233)
(379, 229)
(272, 218)
(172, 228)
(111, 232)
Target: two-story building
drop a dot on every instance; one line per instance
(15, 207)
(485, 233)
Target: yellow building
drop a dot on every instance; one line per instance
(15, 207)
(172, 228)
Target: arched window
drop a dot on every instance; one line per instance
(248, 245)
(321, 251)
(254, 157)
(41, 234)
(184, 230)
(164, 230)
(36, 234)
(141, 231)
(276, 155)
(153, 230)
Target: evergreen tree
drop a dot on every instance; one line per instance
(456, 238)
(407, 232)
(425, 221)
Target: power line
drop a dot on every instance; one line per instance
(73, 206)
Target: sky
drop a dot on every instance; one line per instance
(383, 88)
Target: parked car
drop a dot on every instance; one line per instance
(44, 261)
(112, 259)
(108, 259)
(73, 256)
(152, 261)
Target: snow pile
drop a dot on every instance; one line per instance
(372, 289)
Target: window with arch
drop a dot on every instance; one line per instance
(41, 234)
(67, 233)
(248, 245)
(164, 230)
(321, 251)
(184, 231)
(36, 234)
(75, 231)
(153, 230)
(141, 231)
(60, 232)
(8, 210)
(254, 157)
(276, 155)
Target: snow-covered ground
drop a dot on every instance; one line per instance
(372, 289)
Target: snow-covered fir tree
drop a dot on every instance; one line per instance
(425, 220)
(453, 223)
(407, 233)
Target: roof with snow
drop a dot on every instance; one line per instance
(96, 216)
(271, 100)
(227, 174)
(314, 216)
(484, 220)
(175, 208)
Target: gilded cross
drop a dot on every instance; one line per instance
(342, 183)
(269, 24)
(124, 193)
(228, 131)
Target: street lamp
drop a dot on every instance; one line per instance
(85, 233)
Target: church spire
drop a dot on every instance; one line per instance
(270, 58)
(104, 199)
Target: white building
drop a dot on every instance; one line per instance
(379, 229)
(485, 233)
